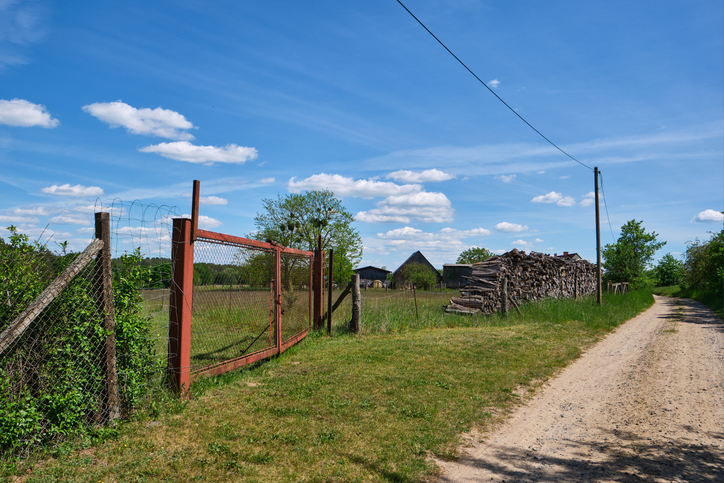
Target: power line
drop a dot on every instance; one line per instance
(491, 91)
(605, 203)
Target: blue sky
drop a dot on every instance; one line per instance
(133, 100)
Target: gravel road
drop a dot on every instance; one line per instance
(645, 404)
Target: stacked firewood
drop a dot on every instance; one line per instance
(515, 277)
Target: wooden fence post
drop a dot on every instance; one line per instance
(181, 304)
(330, 276)
(103, 284)
(504, 297)
(354, 324)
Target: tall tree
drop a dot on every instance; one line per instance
(669, 270)
(297, 219)
(628, 259)
(474, 255)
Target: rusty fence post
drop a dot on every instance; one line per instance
(181, 301)
(318, 285)
(104, 296)
(278, 300)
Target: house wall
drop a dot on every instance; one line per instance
(452, 275)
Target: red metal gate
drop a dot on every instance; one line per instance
(234, 301)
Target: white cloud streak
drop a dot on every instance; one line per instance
(506, 178)
(506, 227)
(77, 190)
(423, 206)
(22, 113)
(428, 175)
(207, 155)
(341, 186)
(158, 122)
(212, 200)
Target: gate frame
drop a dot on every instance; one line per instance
(185, 233)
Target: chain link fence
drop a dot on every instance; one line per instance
(62, 369)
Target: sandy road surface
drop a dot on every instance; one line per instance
(646, 404)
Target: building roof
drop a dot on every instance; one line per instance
(420, 258)
(568, 256)
(370, 266)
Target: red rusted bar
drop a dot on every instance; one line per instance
(294, 339)
(237, 240)
(278, 300)
(311, 290)
(179, 326)
(318, 288)
(195, 209)
(232, 364)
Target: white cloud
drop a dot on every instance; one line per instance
(588, 199)
(77, 190)
(567, 201)
(428, 175)
(22, 113)
(525, 244)
(212, 200)
(22, 220)
(707, 216)
(267, 180)
(506, 227)
(34, 211)
(424, 206)
(150, 122)
(208, 155)
(506, 178)
(206, 222)
(556, 198)
(446, 243)
(87, 229)
(551, 197)
(341, 186)
(494, 83)
(70, 220)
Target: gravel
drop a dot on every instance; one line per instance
(646, 404)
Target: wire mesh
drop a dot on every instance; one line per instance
(296, 294)
(53, 378)
(232, 311)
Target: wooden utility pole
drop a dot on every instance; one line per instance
(598, 239)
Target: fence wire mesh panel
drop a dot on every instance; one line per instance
(52, 375)
(296, 294)
(233, 314)
(74, 352)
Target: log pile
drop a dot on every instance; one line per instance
(515, 277)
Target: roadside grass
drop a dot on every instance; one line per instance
(713, 300)
(374, 407)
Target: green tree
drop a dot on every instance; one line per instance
(420, 275)
(628, 259)
(474, 255)
(669, 270)
(298, 219)
(202, 274)
(704, 265)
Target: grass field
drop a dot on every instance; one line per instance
(373, 407)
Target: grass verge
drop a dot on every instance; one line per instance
(348, 408)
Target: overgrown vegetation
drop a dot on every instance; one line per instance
(703, 272)
(474, 255)
(351, 408)
(52, 377)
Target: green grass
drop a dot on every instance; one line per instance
(713, 300)
(372, 407)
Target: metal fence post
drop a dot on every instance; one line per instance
(104, 296)
(278, 300)
(181, 301)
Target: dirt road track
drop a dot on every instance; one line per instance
(646, 404)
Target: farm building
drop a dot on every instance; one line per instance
(371, 274)
(453, 273)
(568, 256)
(417, 257)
